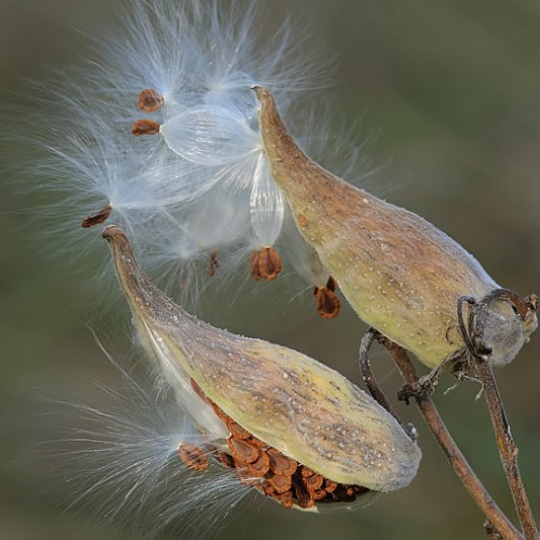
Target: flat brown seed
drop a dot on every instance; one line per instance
(150, 100)
(303, 496)
(145, 127)
(220, 413)
(222, 457)
(318, 494)
(254, 266)
(198, 391)
(306, 471)
(97, 217)
(286, 499)
(193, 457)
(328, 304)
(237, 431)
(281, 464)
(269, 263)
(243, 451)
(313, 482)
(260, 466)
(280, 483)
(332, 284)
(330, 486)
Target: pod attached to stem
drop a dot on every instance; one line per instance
(401, 274)
(293, 428)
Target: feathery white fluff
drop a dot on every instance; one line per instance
(197, 193)
(113, 458)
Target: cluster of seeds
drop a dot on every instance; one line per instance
(267, 469)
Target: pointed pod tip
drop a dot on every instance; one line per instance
(263, 94)
(113, 232)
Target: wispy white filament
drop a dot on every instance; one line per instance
(201, 186)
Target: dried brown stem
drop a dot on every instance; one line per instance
(508, 449)
(450, 449)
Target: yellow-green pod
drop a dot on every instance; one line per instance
(290, 405)
(401, 274)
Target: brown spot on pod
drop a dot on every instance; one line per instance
(150, 100)
(145, 127)
(265, 264)
(302, 221)
(193, 457)
(97, 217)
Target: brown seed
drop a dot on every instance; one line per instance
(237, 431)
(150, 100)
(286, 499)
(281, 464)
(265, 264)
(318, 494)
(97, 217)
(260, 466)
(214, 264)
(222, 457)
(328, 304)
(332, 284)
(193, 457)
(243, 451)
(198, 391)
(145, 127)
(280, 483)
(330, 486)
(342, 494)
(306, 471)
(313, 482)
(303, 496)
(220, 413)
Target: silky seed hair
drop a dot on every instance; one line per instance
(157, 129)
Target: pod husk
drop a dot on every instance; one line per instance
(284, 398)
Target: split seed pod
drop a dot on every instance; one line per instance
(293, 428)
(401, 274)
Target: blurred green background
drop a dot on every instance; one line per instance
(452, 88)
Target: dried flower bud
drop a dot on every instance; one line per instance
(401, 274)
(280, 410)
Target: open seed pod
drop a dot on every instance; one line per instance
(402, 275)
(293, 428)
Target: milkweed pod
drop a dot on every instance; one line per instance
(401, 274)
(285, 416)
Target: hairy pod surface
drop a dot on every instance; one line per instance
(280, 397)
(401, 274)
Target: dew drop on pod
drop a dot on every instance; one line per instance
(290, 427)
(401, 274)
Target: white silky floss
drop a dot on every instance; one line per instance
(194, 188)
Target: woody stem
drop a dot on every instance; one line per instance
(508, 449)
(457, 460)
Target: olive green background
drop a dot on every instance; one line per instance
(452, 91)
